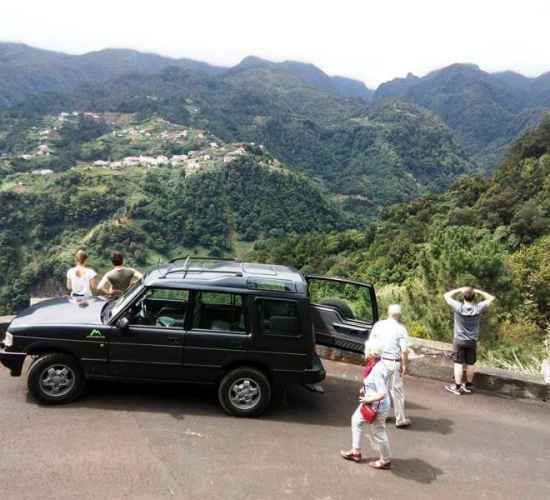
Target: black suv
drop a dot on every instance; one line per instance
(246, 328)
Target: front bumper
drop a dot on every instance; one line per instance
(13, 361)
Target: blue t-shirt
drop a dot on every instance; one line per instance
(377, 382)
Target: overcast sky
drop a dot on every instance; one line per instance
(373, 41)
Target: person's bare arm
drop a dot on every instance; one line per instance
(93, 286)
(135, 278)
(486, 296)
(69, 286)
(104, 286)
(404, 361)
(450, 294)
(404, 343)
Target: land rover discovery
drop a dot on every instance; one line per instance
(246, 328)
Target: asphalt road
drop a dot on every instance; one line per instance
(162, 442)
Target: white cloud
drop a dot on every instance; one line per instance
(371, 41)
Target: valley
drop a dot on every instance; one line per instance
(419, 186)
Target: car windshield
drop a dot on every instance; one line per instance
(114, 307)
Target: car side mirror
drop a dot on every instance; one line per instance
(123, 323)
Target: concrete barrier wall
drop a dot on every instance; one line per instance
(431, 359)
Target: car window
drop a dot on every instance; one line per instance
(169, 294)
(219, 311)
(126, 298)
(279, 317)
(351, 300)
(161, 307)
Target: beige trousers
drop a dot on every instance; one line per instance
(397, 390)
(378, 436)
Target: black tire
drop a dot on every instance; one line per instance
(341, 305)
(70, 383)
(259, 401)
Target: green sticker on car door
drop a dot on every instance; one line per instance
(95, 334)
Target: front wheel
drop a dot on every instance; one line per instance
(244, 392)
(55, 379)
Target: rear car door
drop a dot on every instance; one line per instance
(218, 334)
(343, 312)
(279, 333)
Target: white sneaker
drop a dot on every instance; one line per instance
(403, 424)
(452, 388)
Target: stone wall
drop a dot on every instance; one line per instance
(432, 359)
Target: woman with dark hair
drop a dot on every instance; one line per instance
(81, 280)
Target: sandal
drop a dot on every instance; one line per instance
(381, 465)
(350, 455)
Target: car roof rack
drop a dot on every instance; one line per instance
(213, 271)
(199, 257)
(188, 259)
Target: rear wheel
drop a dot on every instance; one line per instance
(245, 392)
(55, 379)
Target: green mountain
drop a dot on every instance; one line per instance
(486, 111)
(540, 90)
(514, 80)
(27, 71)
(493, 233)
(281, 73)
(368, 155)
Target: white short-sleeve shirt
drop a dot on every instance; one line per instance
(393, 335)
(80, 285)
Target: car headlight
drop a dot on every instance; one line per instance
(8, 339)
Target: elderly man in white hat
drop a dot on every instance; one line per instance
(395, 338)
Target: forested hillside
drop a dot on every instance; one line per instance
(492, 233)
(152, 214)
(370, 156)
(486, 111)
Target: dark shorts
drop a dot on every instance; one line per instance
(465, 354)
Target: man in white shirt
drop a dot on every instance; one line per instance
(395, 338)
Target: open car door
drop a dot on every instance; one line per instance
(343, 312)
